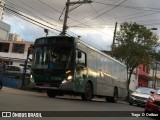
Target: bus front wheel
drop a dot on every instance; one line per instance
(87, 95)
(51, 93)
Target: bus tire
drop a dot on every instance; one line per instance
(114, 98)
(109, 99)
(1, 84)
(87, 95)
(115, 95)
(51, 93)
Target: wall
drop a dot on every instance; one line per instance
(15, 58)
(143, 70)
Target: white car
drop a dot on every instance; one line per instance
(140, 96)
(16, 72)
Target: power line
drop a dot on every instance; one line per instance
(73, 19)
(49, 6)
(53, 8)
(12, 4)
(106, 11)
(37, 11)
(131, 7)
(28, 18)
(9, 12)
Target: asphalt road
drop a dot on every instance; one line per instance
(26, 102)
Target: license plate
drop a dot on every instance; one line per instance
(46, 85)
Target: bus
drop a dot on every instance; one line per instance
(67, 65)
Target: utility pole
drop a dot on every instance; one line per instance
(114, 36)
(155, 76)
(67, 11)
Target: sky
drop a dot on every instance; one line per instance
(94, 22)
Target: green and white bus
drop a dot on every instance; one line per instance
(66, 65)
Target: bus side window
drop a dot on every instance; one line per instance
(80, 58)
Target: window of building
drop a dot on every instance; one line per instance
(4, 47)
(18, 48)
(3, 34)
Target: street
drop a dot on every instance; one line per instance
(18, 100)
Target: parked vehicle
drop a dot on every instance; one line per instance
(153, 103)
(66, 65)
(16, 72)
(140, 96)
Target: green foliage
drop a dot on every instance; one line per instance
(136, 46)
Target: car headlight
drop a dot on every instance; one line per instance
(151, 98)
(132, 96)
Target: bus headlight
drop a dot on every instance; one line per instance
(69, 77)
(32, 79)
(64, 81)
(31, 76)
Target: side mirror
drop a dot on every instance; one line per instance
(79, 54)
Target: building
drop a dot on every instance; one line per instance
(14, 52)
(4, 30)
(15, 37)
(155, 74)
(1, 9)
(144, 78)
(4, 27)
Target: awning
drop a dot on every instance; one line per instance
(149, 78)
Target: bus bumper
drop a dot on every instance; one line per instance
(48, 86)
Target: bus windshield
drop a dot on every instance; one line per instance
(52, 57)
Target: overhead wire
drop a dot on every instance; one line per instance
(11, 13)
(51, 7)
(37, 11)
(131, 7)
(153, 10)
(74, 19)
(16, 7)
(93, 27)
(28, 18)
(105, 12)
(121, 19)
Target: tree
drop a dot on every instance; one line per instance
(137, 45)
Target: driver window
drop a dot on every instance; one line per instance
(82, 60)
